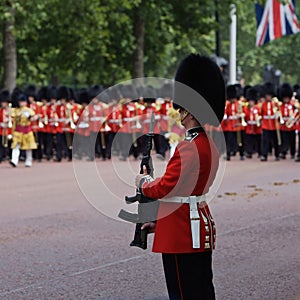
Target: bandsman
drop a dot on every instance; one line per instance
(23, 137)
(270, 112)
(253, 119)
(6, 124)
(287, 131)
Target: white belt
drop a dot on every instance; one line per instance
(194, 215)
(269, 117)
(97, 118)
(252, 122)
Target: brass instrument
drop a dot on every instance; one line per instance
(258, 120)
(70, 116)
(277, 113)
(295, 116)
(40, 123)
(243, 123)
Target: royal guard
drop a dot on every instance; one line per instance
(270, 112)
(6, 123)
(288, 133)
(50, 128)
(296, 120)
(234, 113)
(82, 147)
(23, 137)
(128, 133)
(98, 125)
(73, 110)
(114, 121)
(253, 119)
(42, 97)
(62, 95)
(185, 231)
(160, 145)
(162, 107)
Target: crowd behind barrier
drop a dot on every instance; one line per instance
(37, 125)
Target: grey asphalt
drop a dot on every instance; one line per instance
(54, 244)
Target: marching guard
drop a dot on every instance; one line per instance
(5, 124)
(270, 109)
(253, 120)
(287, 130)
(23, 137)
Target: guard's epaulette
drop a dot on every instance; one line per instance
(192, 133)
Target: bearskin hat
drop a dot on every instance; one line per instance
(198, 82)
(95, 90)
(83, 96)
(4, 96)
(30, 90)
(15, 95)
(252, 94)
(269, 89)
(232, 92)
(42, 93)
(72, 94)
(51, 92)
(62, 92)
(285, 90)
(22, 97)
(166, 90)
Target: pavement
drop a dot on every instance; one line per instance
(57, 244)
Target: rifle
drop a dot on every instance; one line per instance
(147, 207)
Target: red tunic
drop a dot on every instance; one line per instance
(190, 171)
(114, 117)
(269, 117)
(287, 111)
(251, 117)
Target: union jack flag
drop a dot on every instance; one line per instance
(277, 19)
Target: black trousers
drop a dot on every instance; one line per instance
(253, 143)
(288, 139)
(269, 136)
(189, 276)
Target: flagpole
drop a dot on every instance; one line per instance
(232, 59)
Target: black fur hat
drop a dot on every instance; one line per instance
(42, 93)
(62, 92)
(231, 92)
(204, 77)
(269, 89)
(15, 95)
(4, 96)
(30, 91)
(83, 96)
(285, 90)
(51, 92)
(252, 94)
(94, 91)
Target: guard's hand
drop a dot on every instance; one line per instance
(140, 176)
(149, 226)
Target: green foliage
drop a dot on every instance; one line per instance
(82, 42)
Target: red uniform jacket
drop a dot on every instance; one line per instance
(114, 117)
(190, 171)
(287, 111)
(251, 117)
(232, 113)
(269, 117)
(5, 122)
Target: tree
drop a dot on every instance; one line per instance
(9, 46)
